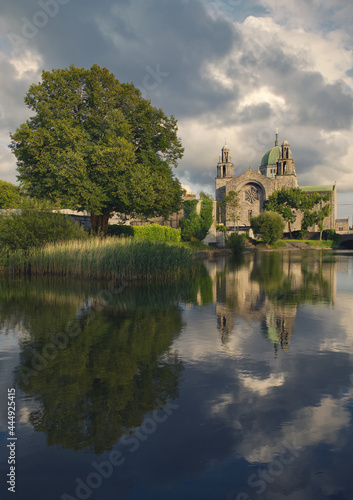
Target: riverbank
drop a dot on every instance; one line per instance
(290, 245)
(96, 258)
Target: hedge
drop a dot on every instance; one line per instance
(151, 232)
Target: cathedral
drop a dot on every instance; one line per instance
(277, 170)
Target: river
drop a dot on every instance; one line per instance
(237, 385)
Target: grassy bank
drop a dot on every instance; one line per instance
(111, 258)
(315, 243)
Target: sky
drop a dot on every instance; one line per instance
(226, 69)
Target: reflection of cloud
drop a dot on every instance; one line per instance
(262, 386)
(342, 339)
(310, 426)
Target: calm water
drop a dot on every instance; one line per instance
(235, 386)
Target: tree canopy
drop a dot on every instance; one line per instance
(95, 144)
(269, 225)
(288, 202)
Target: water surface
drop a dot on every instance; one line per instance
(236, 385)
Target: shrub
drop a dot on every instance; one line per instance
(155, 232)
(269, 225)
(235, 242)
(196, 225)
(330, 234)
(120, 230)
(151, 232)
(221, 227)
(35, 224)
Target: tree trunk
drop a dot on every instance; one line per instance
(290, 231)
(99, 223)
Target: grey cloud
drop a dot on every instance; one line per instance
(315, 102)
(127, 37)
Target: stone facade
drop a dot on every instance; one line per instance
(277, 170)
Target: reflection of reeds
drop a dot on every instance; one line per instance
(98, 258)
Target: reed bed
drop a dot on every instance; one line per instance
(111, 258)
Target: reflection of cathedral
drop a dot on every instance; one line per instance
(277, 170)
(270, 298)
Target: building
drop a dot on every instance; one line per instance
(277, 170)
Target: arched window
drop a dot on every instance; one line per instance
(224, 171)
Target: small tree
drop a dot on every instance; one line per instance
(231, 207)
(289, 202)
(316, 217)
(196, 225)
(10, 195)
(235, 242)
(270, 226)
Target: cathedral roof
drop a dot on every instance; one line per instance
(271, 157)
(313, 189)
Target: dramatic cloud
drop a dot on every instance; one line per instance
(224, 68)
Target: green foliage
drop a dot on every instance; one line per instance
(287, 202)
(155, 232)
(10, 195)
(196, 225)
(120, 230)
(221, 227)
(312, 217)
(205, 196)
(95, 144)
(206, 217)
(270, 226)
(235, 242)
(330, 234)
(189, 207)
(230, 206)
(152, 232)
(35, 224)
(320, 244)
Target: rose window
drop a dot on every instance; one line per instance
(251, 195)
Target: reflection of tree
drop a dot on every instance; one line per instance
(117, 367)
(290, 282)
(106, 379)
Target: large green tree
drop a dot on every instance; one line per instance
(95, 144)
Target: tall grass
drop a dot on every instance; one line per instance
(112, 258)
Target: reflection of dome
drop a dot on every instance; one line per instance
(271, 157)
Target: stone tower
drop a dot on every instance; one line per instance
(225, 167)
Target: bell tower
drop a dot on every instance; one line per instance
(225, 167)
(286, 165)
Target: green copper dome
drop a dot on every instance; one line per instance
(271, 157)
